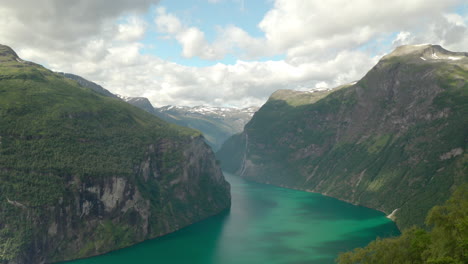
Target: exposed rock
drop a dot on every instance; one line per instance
(451, 154)
(82, 173)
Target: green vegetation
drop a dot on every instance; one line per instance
(445, 243)
(109, 236)
(58, 140)
(215, 126)
(397, 139)
(297, 98)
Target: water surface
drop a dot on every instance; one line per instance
(266, 224)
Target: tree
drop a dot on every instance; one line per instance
(445, 243)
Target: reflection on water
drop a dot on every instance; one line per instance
(265, 224)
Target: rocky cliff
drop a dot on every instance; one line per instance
(82, 174)
(394, 141)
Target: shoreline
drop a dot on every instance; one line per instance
(390, 216)
(223, 211)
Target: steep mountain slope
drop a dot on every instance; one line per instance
(216, 123)
(394, 141)
(140, 102)
(88, 84)
(82, 174)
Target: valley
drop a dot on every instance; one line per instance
(394, 141)
(85, 172)
(266, 224)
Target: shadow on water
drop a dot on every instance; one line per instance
(193, 244)
(265, 224)
(324, 209)
(355, 239)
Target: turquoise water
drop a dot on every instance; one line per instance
(266, 224)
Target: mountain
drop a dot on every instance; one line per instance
(394, 141)
(216, 123)
(88, 84)
(82, 174)
(140, 102)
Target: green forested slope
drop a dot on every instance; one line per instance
(445, 243)
(82, 174)
(394, 141)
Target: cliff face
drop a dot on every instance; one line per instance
(394, 141)
(82, 174)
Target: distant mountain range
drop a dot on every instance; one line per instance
(395, 141)
(216, 123)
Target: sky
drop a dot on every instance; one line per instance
(231, 53)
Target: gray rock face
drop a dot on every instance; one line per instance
(88, 218)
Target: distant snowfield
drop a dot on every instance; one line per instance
(437, 57)
(455, 58)
(203, 109)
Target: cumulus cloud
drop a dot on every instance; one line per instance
(192, 39)
(307, 30)
(63, 23)
(325, 44)
(449, 30)
(310, 30)
(242, 84)
(133, 30)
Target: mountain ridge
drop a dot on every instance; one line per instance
(216, 123)
(396, 139)
(82, 174)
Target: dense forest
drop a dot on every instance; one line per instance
(446, 241)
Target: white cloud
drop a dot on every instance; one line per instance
(310, 30)
(192, 39)
(133, 30)
(404, 37)
(448, 30)
(242, 84)
(59, 24)
(325, 44)
(167, 23)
